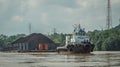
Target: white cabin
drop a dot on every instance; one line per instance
(79, 36)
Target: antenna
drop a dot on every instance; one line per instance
(109, 18)
(54, 31)
(119, 21)
(29, 27)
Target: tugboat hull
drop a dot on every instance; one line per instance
(78, 48)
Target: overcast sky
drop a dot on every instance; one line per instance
(44, 15)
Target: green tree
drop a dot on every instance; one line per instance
(5, 41)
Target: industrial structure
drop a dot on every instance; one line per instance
(34, 42)
(109, 15)
(29, 27)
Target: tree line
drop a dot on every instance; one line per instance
(5, 41)
(107, 40)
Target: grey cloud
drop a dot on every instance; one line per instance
(45, 15)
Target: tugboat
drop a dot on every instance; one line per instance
(78, 42)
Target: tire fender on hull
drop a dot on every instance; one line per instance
(87, 48)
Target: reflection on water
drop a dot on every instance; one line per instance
(95, 59)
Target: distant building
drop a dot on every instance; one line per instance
(35, 41)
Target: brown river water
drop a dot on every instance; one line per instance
(49, 59)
